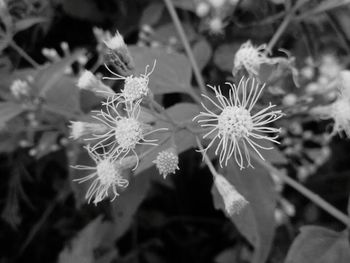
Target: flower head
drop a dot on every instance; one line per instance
(124, 130)
(135, 88)
(89, 81)
(339, 111)
(116, 42)
(216, 25)
(20, 88)
(167, 162)
(234, 202)
(106, 175)
(250, 58)
(80, 129)
(235, 125)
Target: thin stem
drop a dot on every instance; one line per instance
(206, 158)
(23, 54)
(306, 192)
(284, 25)
(185, 42)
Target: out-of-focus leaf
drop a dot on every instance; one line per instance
(47, 140)
(81, 250)
(319, 245)
(172, 72)
(226, 256)
(83, 9)
(184, 140)
(224, 55)
(202, 52)
(152, 14)
(274, 155)
(8, 111)
(256, 221)
(27, 23)
(165, 32)
(47, 77)
(126, 205)
(63, 97)
(185, 4)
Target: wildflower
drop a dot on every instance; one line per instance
(167, 162)
(217, 3)
(339, 111)
(80, 129)
(116, 42)
(135, 88)
(250, 58)
(106, 176)
(236, 126)
(234, 202)
(216, 25)
(20, 88)
(202, 9)
(89, 81)
(123, 133)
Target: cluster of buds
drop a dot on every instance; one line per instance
(214, 13)
(339, 109)
(114, 131)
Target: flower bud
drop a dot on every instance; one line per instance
(234, 202)
(79, 129)
(89, 81)
(167, 162)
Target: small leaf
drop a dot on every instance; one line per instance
(83, 246)
(152, 14)
(202, 52)
(172, 72)
(47, 77)
(256, 221)
(185, 4)
(8, 111)
(47, 140)
(319, 245)
(27, 23)
(224, 55)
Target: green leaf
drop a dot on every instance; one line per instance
(165, 32)
(152, 14)
(202, 51)
(126, 205)
(47, 140)
(96, 234)
(8, 111)
(184, 140)
(172, 72)
(50, 75)
(256, 221)
(27, 23)
(185, 4)
(224, 55)
(319, 245)
(63, 97)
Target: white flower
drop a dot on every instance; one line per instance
(250, 58)
(167, 162)
(236, 126)
(20, 88)
(135, 88)
(123, 133)
(234, 202)
(116, 42)
(80, 129)
(106, 175)
(202, 9)
(216, 25)
(217, 3)
(339, 111)
(89, 81)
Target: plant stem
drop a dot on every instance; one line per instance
(306, 192)
(185, 42)
(284, 25)
(206, 158)
(23, 54)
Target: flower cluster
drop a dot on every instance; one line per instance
(234, 125)
(339, 109)
(114, 131)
